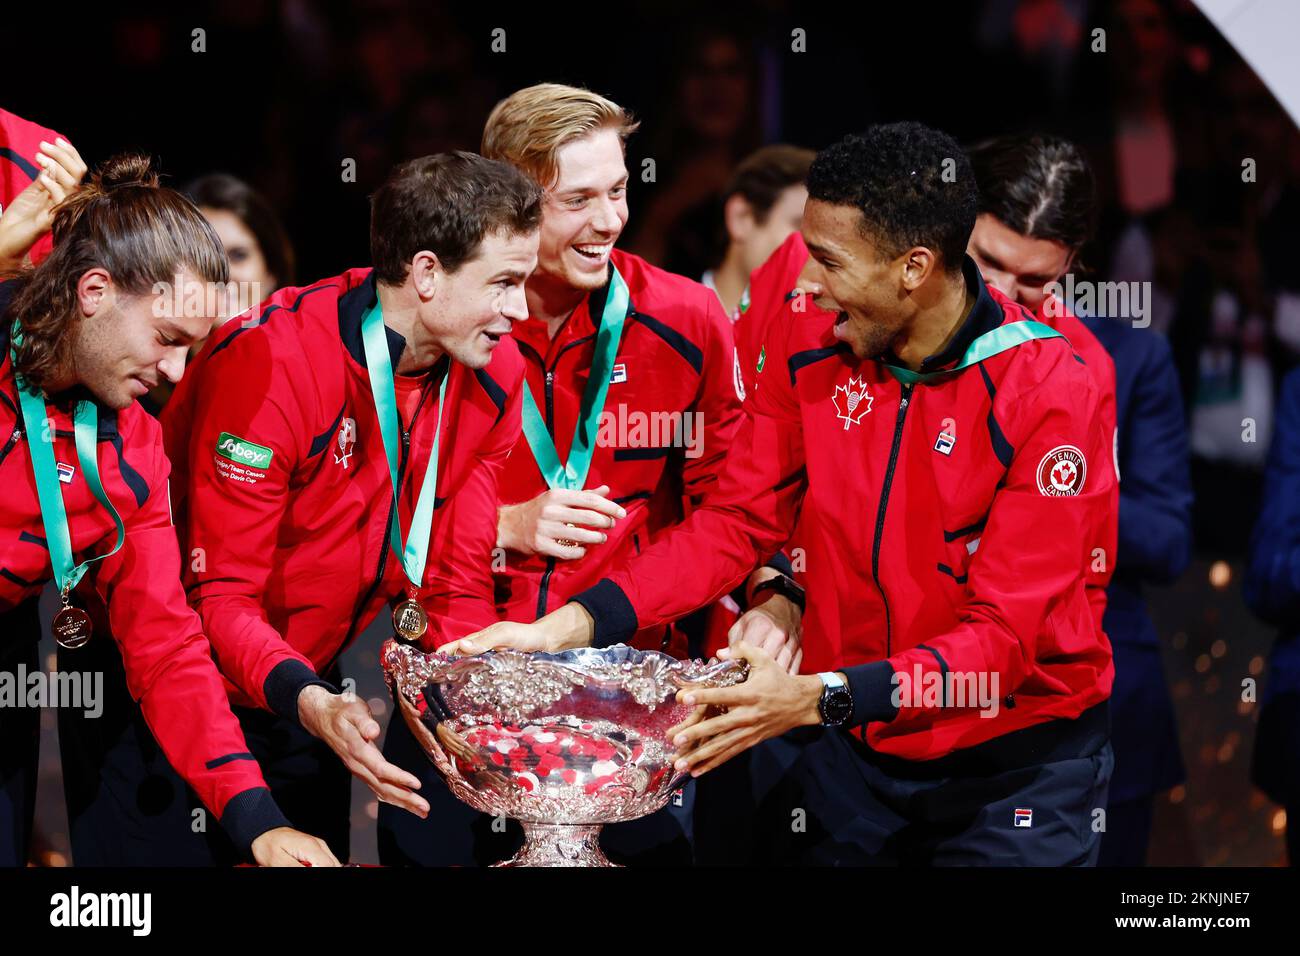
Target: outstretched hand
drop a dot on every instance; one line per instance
(730, 720)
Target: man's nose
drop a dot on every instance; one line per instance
(606, 219)
(812, 278)
(172, 365)
(515, 307)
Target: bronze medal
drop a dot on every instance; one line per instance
(409, 620)
(71, 627)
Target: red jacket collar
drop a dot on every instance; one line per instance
(582, 323)
(985, 315)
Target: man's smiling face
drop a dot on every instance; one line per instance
(584, 212)
(858, 281)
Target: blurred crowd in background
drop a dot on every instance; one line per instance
(1197, 169)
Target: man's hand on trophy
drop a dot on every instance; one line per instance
(775, 627)
(558, 522)
(563, 629)
(350, 730)
(766, 705)
(284, 846)
(504, 635)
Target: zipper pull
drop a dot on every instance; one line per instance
(406, 439)
(550, 378)
(907, 397)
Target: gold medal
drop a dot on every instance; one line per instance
(410, 620)
(71, 626)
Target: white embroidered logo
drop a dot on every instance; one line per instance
(855, 403)
(347, 438)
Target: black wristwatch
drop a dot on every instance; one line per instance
(836, 704)
(782, 585)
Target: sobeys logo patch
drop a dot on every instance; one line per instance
(244, 452)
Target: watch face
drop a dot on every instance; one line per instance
(836, 706)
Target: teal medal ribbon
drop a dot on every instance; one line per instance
(409, 619)
(572, 474)
(984, 347)
(71, 625)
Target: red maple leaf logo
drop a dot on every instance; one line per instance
(1063, 474)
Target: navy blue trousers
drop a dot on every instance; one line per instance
(127, 806)
(816, 797)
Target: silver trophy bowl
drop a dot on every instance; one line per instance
(564, 743)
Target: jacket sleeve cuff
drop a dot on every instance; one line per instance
(872, 687)
(781, 562)
(611, 610)
(285, 682)
(248, 815)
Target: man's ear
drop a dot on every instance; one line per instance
(919, 263)
(94, 291)
(426, 272)
(738, 214)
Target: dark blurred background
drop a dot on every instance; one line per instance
(285, 92)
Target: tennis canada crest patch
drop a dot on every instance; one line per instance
(1062, 471)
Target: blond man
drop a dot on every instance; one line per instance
(630, 405)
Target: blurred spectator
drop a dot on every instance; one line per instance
(257, 247)
(1221, 331)
(1033, 44)
(1142, 97)
(708, 126)
(1273, 592)
(261, 256)
(761, 207)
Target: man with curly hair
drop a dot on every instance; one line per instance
(954, 709)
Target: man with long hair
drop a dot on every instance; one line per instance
(82, 337)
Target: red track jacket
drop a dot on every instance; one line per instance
(169, 670)
(952, 528)
(676, 357)
(1102, 369)
(773, 300)
(284, 498)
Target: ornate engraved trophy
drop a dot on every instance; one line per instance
(564, 743)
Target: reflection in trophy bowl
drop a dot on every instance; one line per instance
(563, 743)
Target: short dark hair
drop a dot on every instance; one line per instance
(912, 184)
(223, 191)
(765, 173)
(447, 203)
(1039, 186)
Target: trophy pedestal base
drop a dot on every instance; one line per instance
(558, 844)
